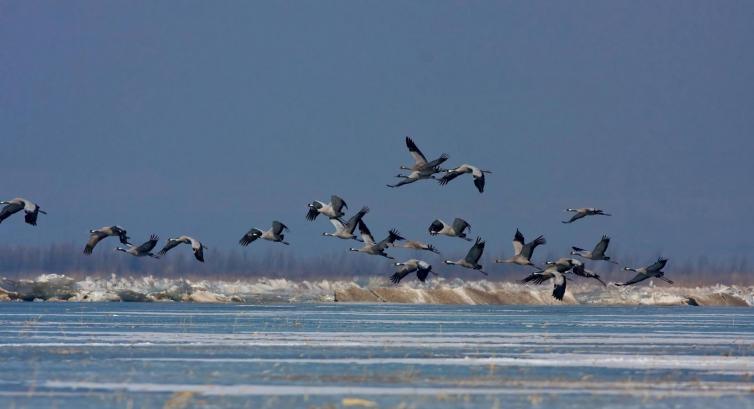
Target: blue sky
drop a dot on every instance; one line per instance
(207, 118)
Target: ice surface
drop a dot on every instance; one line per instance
(322, 355)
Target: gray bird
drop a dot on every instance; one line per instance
(345, 230)
(97, 235)
(15, 205)
(550, 273)
(145, 249)
(654, 270)
(422, 169)
(478, 175)
(407, 267)
(471, 261)
(597, 254)
(374, 248)
(583, 212)
(273, 234)
(196, 246)
(564, 265)
(451, 230)
(333, 210)
(522, 251)
(420, 161)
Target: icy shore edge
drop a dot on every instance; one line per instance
(52, 287)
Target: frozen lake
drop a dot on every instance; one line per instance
(176, 355)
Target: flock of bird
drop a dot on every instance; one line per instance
(423, 169)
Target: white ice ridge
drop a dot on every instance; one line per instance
(53, 287)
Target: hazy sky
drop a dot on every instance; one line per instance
(207, 118)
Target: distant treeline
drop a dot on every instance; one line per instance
(30, 261)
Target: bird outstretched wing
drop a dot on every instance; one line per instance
(249, 237)
(518, 242)
(338, 203)
(450, 175)
(601, 247)
(418, 156)
(171, 244)
(391, 238)
(576, 216)
(148, 245)
(199, 253)
(479, 183)
(366, 235)
(658, 265)
(528, 249)
(537, 277)
(312, 213)
(436, 162)
(94, 238)
(10, 209)
(278, 227)
(475, 252)
(355, 219)
(459, 225)
(637, 278)
(559, 286)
